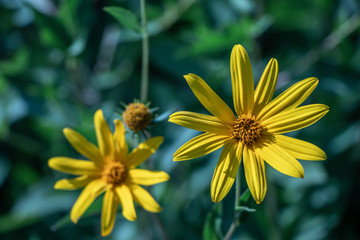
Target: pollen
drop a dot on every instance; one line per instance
(137, 116)
(247, 129)
(114, 173)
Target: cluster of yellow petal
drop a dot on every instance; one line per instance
(110, 169)
(254, 133)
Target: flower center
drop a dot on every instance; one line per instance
(114, 173)
(137, 116)
(247, 129)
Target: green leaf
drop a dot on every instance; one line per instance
(124, 17)
(17, 64)
(52, 31)
(244, 208)
(212, 226)
(245, 198)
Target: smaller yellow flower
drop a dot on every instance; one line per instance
(137, 116)
(111, 170)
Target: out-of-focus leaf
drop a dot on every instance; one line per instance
(4, 169)
(52, 31)
(12, 105)
(164, 116)
(124, 17)
(39, 201)
(77, 47)
(17, 64)
(67, 14)
(212, 226)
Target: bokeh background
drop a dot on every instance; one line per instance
(62, 60)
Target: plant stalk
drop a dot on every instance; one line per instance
(145, 54)
(235, 221)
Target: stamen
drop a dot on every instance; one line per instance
(247, 129)
(114, 173)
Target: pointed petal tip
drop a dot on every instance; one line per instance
(238, 46)
(52, 162)
(56, 186)
(117, 121)
(74, 219)
(188, 76)
(131, 218)
(66, 130)
(99, 111)
(98, 114)
(165, 176)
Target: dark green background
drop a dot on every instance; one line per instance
(60, 61)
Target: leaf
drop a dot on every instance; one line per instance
(52, 31)
(245, 198)
(164, 116)
(212, 226)
(244, 208)
(124, 17)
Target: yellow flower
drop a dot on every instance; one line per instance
(254, 134)
(111, 170)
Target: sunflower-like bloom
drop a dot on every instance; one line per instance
(254, 133)
(111, 170)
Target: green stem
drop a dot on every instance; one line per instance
(145, 54)
(235, 223)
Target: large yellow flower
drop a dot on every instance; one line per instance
(111, 170)
(254, 133)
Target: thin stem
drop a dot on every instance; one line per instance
(235, 221)
(145, 53)
(237, 188)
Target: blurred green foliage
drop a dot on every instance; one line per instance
(61, 60)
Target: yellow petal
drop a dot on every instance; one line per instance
(143, 151)
(242, 80)
(87, 196)
(226, 170)
(209, 99)
(108, 212)
(279, 159)
(126, 200)
(295, 118)
(74, 183)
(144, 199)
(120, 142)
(103, 134)
(254, 169)
(146, 177)
(290, 98)
(300, 149)
(73, 166)
(200, 146)
(265, 89)
(83, 146)
(199, 122)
